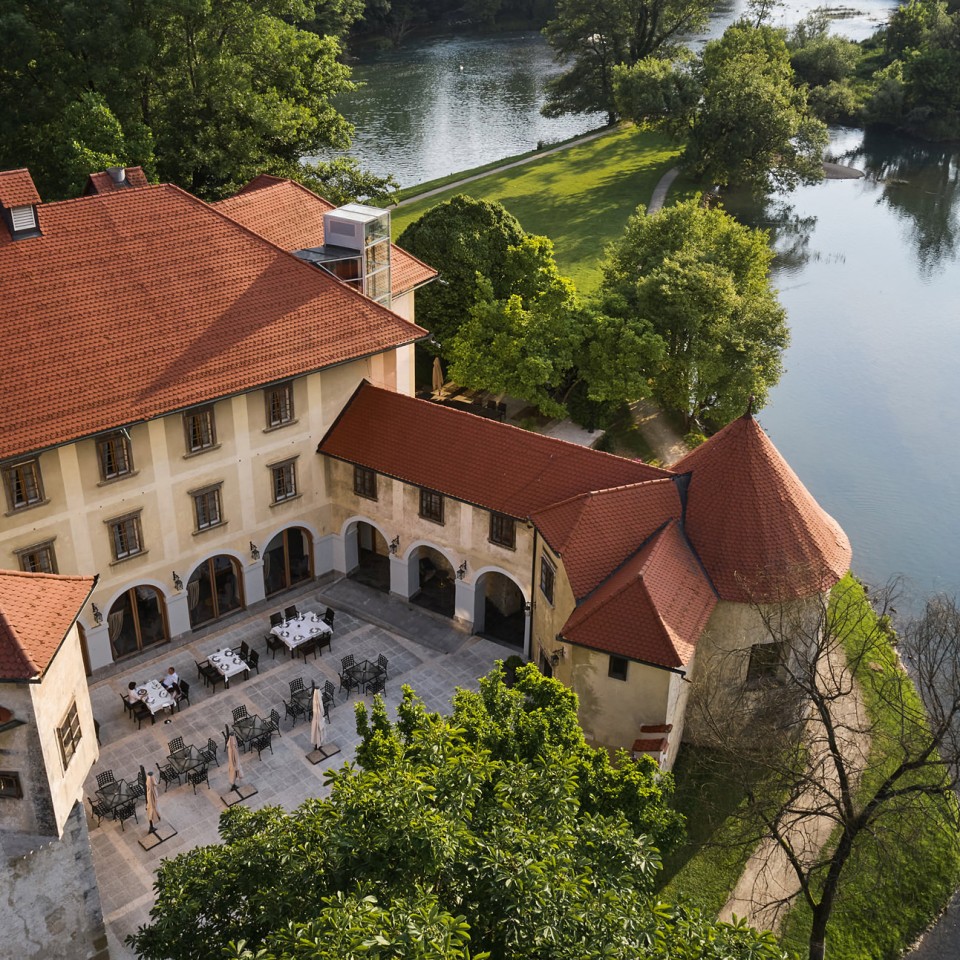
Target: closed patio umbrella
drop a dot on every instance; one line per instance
(437, 375)
(153, 811)
(234, 769)
(318, 725)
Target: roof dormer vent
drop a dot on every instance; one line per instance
(117, 174)
(18, 204)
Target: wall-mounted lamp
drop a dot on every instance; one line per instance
(254, 552)
(177, 582)
(527, 607)
(462, 570)
(395, 545)
(97, 615)
(557, 655)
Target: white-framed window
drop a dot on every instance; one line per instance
(113, 456)
(126, 536)
(431, 506)
(69, 735)
(23, 484)
(548, 577)
(207, 508)
(200, 429)
(37, 558)
(279, 401)
(284, 479)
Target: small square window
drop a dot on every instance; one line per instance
(548, 576)
(431, 506)
(113, 454)
(23, 483)
(39, 558)
(284, 477)
(365, 483)
(766, 660)
(206, 507)
(618, 668)
(126, 536)
(279, 404)
(200, 429)
(10, 785)
(503, 530)
(68, 735)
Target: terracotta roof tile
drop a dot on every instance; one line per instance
(102, 182)
(36, 611)
(595, 532)
(17, 189)
(653, 609)
(141, 302)
(480, 461)
(756, 527)
(291, 216)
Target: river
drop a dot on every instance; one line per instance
(866, 269)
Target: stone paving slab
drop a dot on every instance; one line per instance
(448, 658)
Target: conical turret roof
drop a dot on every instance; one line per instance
(757, 529)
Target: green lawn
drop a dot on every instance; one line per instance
(580, 198)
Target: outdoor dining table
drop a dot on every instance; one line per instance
(186, 759)
(156, 696)
(118, 793)
(362, 672)
(229, 663)
(301, 629)
(249, 728)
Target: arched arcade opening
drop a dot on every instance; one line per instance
(436, 588)
(499, 612)
(215, 588)
(137, 620)
(287, 560)
(368, 548)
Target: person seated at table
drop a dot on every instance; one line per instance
(132, 696)
(172, 682)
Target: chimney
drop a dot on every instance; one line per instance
(117, 174)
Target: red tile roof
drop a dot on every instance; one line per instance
(102, 182)
(17, 189)
(653, 609)
(494, 465)
(141, 302)
(36, 611)
(595, 532)
(291, 216)
(756, 527)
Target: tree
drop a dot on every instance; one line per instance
(845, 759)
(495, 832)
(595, 38)
(701, 281)
(744, 120)
(206, 95)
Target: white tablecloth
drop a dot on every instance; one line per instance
(228, 663)
(157, 697)
(295, 632)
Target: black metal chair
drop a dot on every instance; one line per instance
(175, 744)
(296, 684)
(294, 710)
(239, 713)
(323, 641)
(274, 722)
(273, 645)
(376, 685)
(261, 743)
(276, 619)
(244, 650)
(168, 775)
(104, 778)
(213, 676)
(125, 812)
(253, 660)
(127, 705)
(308, 647)
(184, 694)
(328, 617)
(291, 613)
(382, 664)
(346, 681)
(201, 667)
(199, 775)
(142, 712)
(139, 791)
(210, 754)
(100, 811)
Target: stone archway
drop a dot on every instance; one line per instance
(372, 567)
(436, 584)
(500, 612)
(287, 560)
(215, 588)
(137, 620)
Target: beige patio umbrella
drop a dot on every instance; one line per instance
(153, 811)
(318, 725)
(234, 769)
(437, 375)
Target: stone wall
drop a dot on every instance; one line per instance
(49, 900)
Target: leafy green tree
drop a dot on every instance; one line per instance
(744, 120)
(205, 94)
(701, 280)
(594, 38)
(817, 57)
(495, 832)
